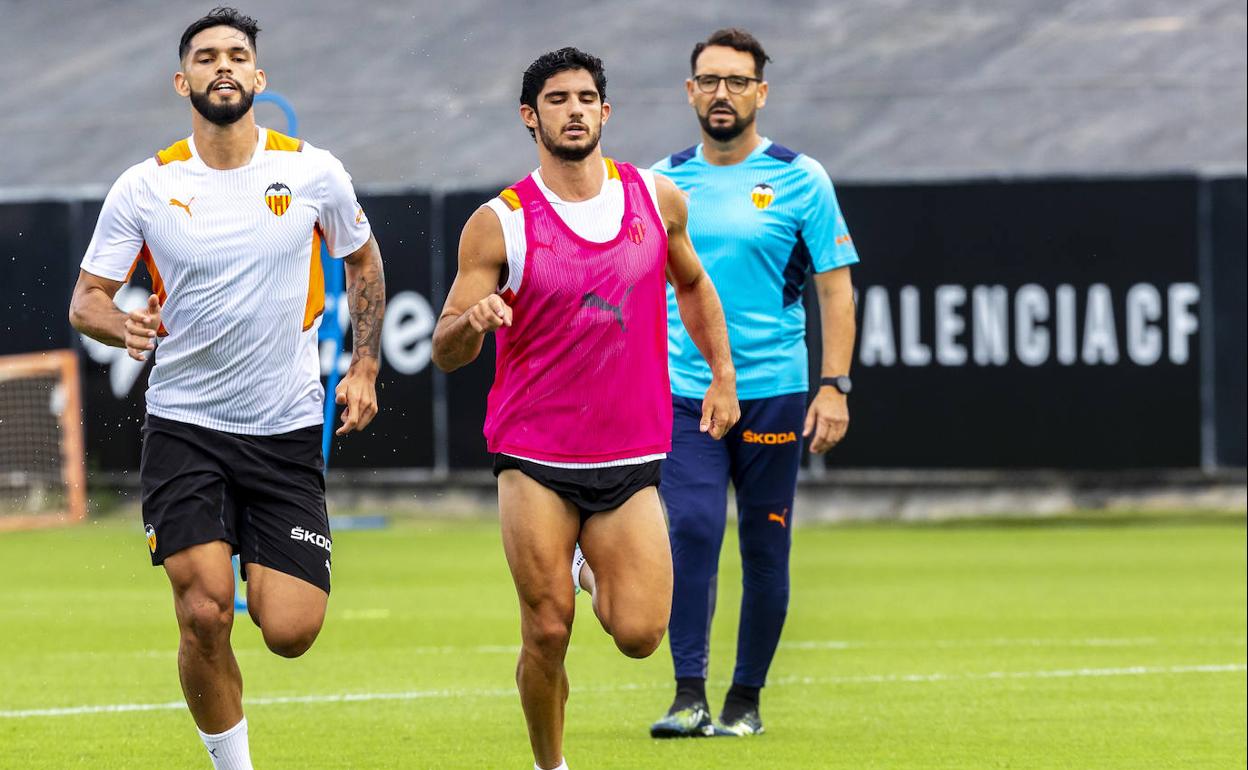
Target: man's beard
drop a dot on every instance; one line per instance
(551, 143)
(222, 114)
(728, 132)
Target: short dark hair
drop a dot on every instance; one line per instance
(221, 16)
(735, 38)
(549, 64)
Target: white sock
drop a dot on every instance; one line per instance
(563, 765)
(228, 750)
(578, 561)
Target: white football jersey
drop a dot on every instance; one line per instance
(234, 256)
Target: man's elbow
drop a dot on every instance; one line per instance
(439, 354)
(76, 318)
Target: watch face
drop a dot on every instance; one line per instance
(844, 384)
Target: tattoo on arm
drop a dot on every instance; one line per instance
(366, 297)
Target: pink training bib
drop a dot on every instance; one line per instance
(581, 375)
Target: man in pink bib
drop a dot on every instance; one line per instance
(567, 267)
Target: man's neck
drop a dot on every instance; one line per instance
(573, 180)
(225, 147)
(732, 151)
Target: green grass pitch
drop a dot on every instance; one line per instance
(1076, 645)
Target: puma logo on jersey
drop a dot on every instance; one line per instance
(590, 299)
(181, 205)
(779, 517)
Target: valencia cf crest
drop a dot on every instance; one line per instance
(637, 230)
(277, 197)
(762, 195)
(150, 531)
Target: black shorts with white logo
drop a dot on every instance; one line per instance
(264, 495)
(591, 490)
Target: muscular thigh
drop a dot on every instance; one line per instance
(539, 531)
(629, 552)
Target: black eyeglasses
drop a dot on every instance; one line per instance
(709, 84)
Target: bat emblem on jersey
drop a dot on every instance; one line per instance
(181, 205)
(590, 299)
(637, 230)
(277, 198)
(762, 195)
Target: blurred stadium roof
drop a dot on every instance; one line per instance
(420, 94)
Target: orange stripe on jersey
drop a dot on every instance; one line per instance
(158, 284)
(180, 150)
(282, 143)
(316, 283)
(612, 171)
(510, 197)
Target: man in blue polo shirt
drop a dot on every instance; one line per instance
(762, 218)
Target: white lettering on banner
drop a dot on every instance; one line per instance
(877, 345)
(949, 325)
(1066, 349)
(1100, 339)
(1183, 322)
(1143, 336)
(1045, 328)
(1031, 340)
(913, 352)
(990, 306)
(407, 334)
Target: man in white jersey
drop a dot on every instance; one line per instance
(567, 269)
(229, 223)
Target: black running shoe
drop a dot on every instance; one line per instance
(690, 722)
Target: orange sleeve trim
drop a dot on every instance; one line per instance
(511, 198)
(612, 171)
(158, 284)
(180, 150)
(315, 304)
(282, 143)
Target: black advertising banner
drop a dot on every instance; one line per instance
(468, 387)
(1228, 235)
(402, 434)
(1035, 324)
(1080, 324)
(37, 279)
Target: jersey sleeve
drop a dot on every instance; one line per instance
(118, 236)
(823, 226)
(341, 217)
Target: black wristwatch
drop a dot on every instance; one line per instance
(841, 383)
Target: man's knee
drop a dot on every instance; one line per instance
(637, 640)
(290, 641)
(546, 634)
(206, 620)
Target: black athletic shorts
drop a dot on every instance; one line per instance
(264, 495)
(591, 490)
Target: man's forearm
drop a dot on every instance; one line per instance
(836, 315)
(703, 317)
(455, 342)
(366, 298)
(95, 315)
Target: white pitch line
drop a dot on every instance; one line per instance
(509, 692)
(809, 644)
